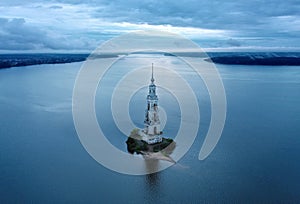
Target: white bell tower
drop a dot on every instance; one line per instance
(151, 132)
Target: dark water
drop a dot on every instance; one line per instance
(256, 160)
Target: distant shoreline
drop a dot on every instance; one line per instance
(257, 60)
(228, 58)
(19, 60)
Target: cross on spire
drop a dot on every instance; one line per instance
(152, 78)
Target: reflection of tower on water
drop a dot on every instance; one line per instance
(152, 179)
(151, 132)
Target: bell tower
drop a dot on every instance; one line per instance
(151, 132)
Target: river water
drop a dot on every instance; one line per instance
(256, 160)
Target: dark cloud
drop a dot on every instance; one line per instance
(55, 7)
(253, 18)
(16, 34)
(212, 14)
(205, 14)
(273, 22)
(233, 43)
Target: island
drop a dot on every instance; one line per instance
(160, 151)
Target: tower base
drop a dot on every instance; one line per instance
(135, 144)
(150, 139)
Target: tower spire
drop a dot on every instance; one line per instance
(152, 78)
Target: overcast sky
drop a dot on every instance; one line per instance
(81, 25)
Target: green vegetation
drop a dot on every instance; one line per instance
(136, 145)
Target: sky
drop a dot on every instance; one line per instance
(215, 25)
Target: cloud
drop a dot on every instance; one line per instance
(71, 27)
(233, 42)
(82, 24)
(55, 7)
(214, 14)
(16, 34)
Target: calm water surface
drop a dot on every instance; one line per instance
(256, 160)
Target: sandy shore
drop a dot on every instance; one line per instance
(157, 156)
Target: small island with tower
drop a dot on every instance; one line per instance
(149, 141)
